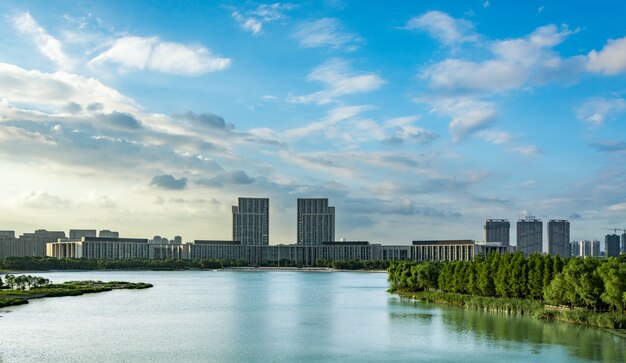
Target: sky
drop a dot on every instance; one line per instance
(417, 119)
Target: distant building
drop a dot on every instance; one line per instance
(178, 240)
(34, 244)
(575, 248)
(497, 230)
(595, 248)
(80, 233)
(529, 236)
(7, 234)
(251, 221)
(611, 245)
(105, 233)
(558, 238)
(623, 248)
(316, 221)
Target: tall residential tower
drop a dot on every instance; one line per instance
(316, 221)
(558, 238)
(529, 236)
(497, 230)
(251, 221)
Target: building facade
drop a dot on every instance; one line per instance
(316, 222)
(251, 221)
(80, 233)
(611, 245)
(497, 230)
(575, 248)
(529, 236)
(558, 238)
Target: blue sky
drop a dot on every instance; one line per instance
(417, 119)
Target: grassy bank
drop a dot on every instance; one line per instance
(70, 288)
(533, 308)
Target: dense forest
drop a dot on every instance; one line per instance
(596, 284)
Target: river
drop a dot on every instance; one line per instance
(275, 316)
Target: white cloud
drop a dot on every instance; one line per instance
(326, 33)
(48, 45)
(609, 60)
(444, 28)
(252, 25)
(516, 63)
(150, 53)
(339, 81)
(526, 150)
(39, 199)
(264, 13)
(595, 111)
(495, 137)
(12, 134)
(620, 207)
(44, 90)
(469, 115)
(97, 199)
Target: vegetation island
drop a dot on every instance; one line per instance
(18, 289)
(589, 291)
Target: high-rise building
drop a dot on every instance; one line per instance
(611, 245)
(80, 233)
(34, 244)
(316, 221)
(623, 249)
(558, 238)
(595, 248)
(529, 236)
(575, 248)
(251, 221)
(105, 233)
(498, 230)
(585, 249)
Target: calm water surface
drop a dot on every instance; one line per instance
(219, 316)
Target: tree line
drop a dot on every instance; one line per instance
(22, 282)
(51, 263)
(593, 283)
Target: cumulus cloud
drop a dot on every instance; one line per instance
(205, 120)
(515, 63)
(233, 177)
(469, 115)
(47, 45)
(254, 20)
(45, 90)
(132, 53)
(609, 60)
(18, 134)
(326, 33)
(40, 199)
(444, 28)
(121, 120)
(339, 80)
(97, 199)
(168, 182)
(597, 110)
(405, 132)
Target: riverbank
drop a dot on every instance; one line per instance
(70, 288)
(534, 308)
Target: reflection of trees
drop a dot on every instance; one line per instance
(581, 342)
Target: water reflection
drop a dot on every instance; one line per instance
(500, 330)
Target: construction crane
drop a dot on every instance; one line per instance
(615, 230)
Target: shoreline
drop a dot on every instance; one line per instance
(231, 269)
(520, 307)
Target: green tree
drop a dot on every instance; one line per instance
(535, 276)
(613, 275)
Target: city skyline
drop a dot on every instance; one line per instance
(417, 121)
